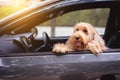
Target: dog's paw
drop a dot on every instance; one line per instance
(96, 48)
(60, 48)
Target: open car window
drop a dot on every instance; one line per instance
(63, 25)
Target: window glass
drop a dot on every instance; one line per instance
(63, 25)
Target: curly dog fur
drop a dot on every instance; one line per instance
(84, 37)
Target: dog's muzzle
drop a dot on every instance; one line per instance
(78, 42)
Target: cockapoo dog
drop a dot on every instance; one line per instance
(84, 37)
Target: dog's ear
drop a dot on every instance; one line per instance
(70, 42)
(74, 29)
(98, 38)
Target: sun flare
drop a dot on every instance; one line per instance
(18, 3)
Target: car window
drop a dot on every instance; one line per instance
(63, 25)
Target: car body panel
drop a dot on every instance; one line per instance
(72, 66)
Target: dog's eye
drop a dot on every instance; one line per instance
(85, 31)
(77, 29)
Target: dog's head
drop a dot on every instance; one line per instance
(82, 34)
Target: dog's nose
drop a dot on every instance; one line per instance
(77, 38)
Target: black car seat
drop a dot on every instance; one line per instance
(112, 33)
(114, 41)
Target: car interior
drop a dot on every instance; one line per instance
(112, 34)
(28, 43)
(45, 42)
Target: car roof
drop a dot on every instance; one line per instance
(18, 22)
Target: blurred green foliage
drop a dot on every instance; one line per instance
(97, 17)
(7, 10)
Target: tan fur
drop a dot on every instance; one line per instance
(84, 37)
